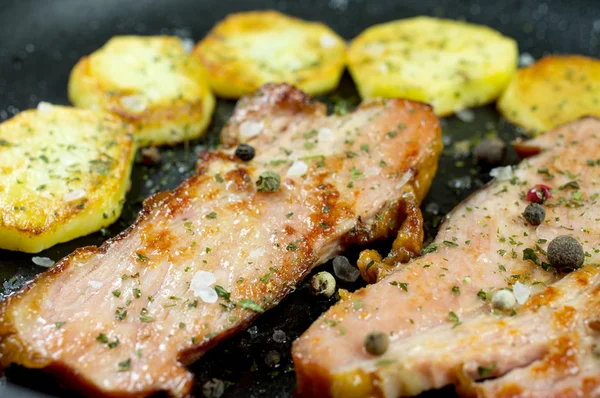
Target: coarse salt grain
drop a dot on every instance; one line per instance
(45, 107)
(327, 41)
(187, 44)
(466, 115)
(43, 261)
(200, 285)
(298, 168)
(547, 232)
(325, 135)
(521, 292)
(502, 173)
(405, 178)
(95, 284)
(249, 129)
(74, 195)
(133, 103)
(526, 59)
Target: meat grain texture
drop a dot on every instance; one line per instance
(123, 319)
(437, 311)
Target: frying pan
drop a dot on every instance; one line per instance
(40, 41)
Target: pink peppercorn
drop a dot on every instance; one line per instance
(539, 193)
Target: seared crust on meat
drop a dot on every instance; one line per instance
(255, 244)
(437, 308)
(149, 82)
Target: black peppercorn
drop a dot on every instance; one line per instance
(245, 152)
(534, 214)
(565, 254)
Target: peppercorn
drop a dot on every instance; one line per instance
(245, 152)
(539, 193)
(534, 214)
(565, 253)
(503, 300)
(490, 152)
(268, 181)
(322, 284)
(376, 343)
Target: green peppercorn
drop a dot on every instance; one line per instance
(376, 343)
(503, 300)
(268, 181)
(534, 214)
(322, 284)
(245, 152)
(565, 253)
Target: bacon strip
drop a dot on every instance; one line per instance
(123, 319)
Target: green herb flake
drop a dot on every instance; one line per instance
(309, 145)
(452, 317)
(101, 338)
(357, 304)
(268, 181)
(384, 362)
(448, 243)
(212, 215)
(310, 134)
(58, 325)
(120, 314)
(291, 247)
(482, 295)
(429, 249)
(529, 254)
(289, 215)
(141, 257)
(569, 185)
(355, 173)
(250, 305)
(485, 371)
(221, 292)
(455, 290)
(146, 318)
(124, 366)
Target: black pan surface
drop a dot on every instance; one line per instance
(40, 41)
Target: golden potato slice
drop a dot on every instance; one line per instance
(249, 49)
(451, 65)
(553, 91)
(151, 82)
(63, 174)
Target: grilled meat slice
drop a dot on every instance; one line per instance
(202, 261)
(480, 249)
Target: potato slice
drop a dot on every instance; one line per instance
(451, 65)
(555, 90)
(63, 174)
(151, 82)
(249, 49)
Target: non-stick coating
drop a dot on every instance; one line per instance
(40, 41)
